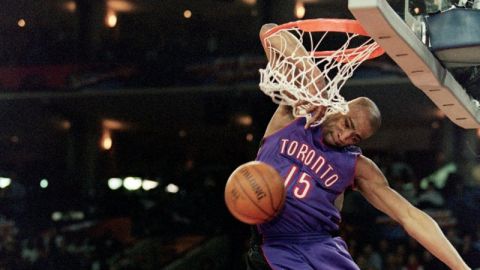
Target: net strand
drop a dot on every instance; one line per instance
(296, 75)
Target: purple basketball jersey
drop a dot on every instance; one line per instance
(315, 174)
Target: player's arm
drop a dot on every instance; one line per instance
(289, 47)
(283, 115)
(371, 182)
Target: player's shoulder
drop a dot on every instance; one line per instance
(364, 160)
(280, 123)
(366, 168)
(361, 164)
(353, 149)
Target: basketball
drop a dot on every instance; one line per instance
(254, 193)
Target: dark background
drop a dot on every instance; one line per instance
(179, 99)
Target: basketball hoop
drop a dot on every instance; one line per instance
(311, 71)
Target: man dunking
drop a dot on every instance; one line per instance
(318, 164)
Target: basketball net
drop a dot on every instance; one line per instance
(312, 77)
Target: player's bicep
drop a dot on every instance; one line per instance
(373, 185)
(281, 118)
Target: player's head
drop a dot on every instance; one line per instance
(362, 121)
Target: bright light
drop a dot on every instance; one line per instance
(132, 183)
(250, 2)
(249, 137)
(21, 23)
(5, 182)
(114, 124)
(107, 143)
(56, 216)
(299, 10)
(115, 183)
(120, 6)
(187, 14)
(416, 10)
(70, 6)
(77, 215)
(65, 124)
(149, 184)
(106, 140)
(44, 183)
(172, 188)
(111, 19)
(244, 120)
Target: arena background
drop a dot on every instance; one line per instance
(96, 94)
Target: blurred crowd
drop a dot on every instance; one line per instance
(53, 249)
(121, 230)
(377, 243)
(141, 230)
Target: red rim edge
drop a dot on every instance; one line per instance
(329, 25)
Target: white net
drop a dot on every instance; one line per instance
(294, 75)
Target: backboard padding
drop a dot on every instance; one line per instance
(419, 64)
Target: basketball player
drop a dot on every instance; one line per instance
(318, 165)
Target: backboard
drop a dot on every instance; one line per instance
(400, 34)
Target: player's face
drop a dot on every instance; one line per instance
(342, 130)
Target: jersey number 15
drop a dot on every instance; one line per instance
(302, 183)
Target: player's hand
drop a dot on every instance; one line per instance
(316, 114)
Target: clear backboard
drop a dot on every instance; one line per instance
(400, 33)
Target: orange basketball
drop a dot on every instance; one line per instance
(254, 193)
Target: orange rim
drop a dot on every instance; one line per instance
(328, 25)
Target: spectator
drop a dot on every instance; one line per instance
(470, 202)
(430, 198)
(453, 188)
(384, 248)
(374, 260)
(452, 235)
(431, 263)
(471, 255)
(392, 262)
(362, 262)
(413, 263)
(400, 254)
(406, 186)
(30, 253)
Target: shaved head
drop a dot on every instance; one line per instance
(360, 122)
(370, 106)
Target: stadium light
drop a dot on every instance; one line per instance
(149, 184)
(115, 183)
(132, 183)
(172, 188)
(5, 182)
(57, 216)
(44, 183)
(111, 19)
(299, 10)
